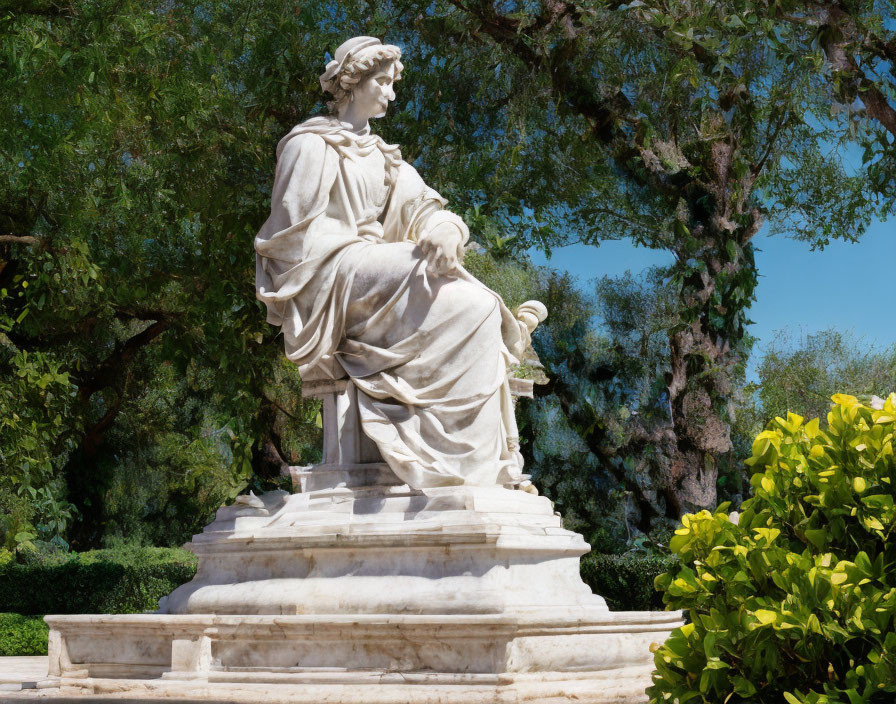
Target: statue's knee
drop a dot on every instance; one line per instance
(474, 301)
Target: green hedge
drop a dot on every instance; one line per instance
(22, 635)
(626, 581)
(96, 582)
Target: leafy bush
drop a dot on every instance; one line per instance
(100, 581)
(22, 635)
(796, 601)
(626, 581)
(35, 396)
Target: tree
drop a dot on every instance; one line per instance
(805, 373)
(858, 42)
(136, 156)
(682, 126)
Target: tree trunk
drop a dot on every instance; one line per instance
(268, 461)
(717, 273)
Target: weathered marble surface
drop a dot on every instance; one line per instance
(362, 658)
(611, 687)
(386, 549)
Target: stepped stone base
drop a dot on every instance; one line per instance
(357, 658)
(359, 589)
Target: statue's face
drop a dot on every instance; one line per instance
(373, 93)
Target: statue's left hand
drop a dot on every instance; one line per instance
(443, 248)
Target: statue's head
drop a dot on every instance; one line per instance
(362, 73)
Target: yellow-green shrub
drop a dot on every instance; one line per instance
(795, 601)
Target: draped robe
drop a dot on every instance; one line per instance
(340, 272)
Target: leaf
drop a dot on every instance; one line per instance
(769, 534)
(855, 697)
(813, 624)
(743, 687)
(817, 537)
(765, 617)
(878, 501)
(872, 523)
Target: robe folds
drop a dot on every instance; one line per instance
(340, 272)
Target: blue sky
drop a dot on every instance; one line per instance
(845, 286)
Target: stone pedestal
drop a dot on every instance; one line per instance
(359, 589)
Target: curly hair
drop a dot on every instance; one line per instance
(366, 62)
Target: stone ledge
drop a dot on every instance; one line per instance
(620, 686)
(594, 658)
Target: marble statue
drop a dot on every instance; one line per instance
(405, 567)
(360, 263)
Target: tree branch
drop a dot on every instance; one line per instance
(630, 221)
(604, 115)
(569, 399)
(770, 143)
(124, 352)
(18, 239)
(146, 314)
(281, 409)
(93, 435)
(50, 9)
(876, 105)
(842, 31)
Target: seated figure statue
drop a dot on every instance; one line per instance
(361, 266)
(425, 580)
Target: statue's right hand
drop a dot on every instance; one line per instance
(443, 248)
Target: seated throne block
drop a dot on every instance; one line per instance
(344, 441)
(350, 458)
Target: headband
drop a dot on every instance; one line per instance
(342, 55)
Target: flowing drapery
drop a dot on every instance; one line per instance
(339, 270)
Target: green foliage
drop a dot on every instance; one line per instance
(96, 582)
(35, 398)
(795, 601)
(681, 126)
(626, 581)
(608, 452)
(577, 455)
(22, 635)
(516, 282)
(135, 164)
(801, 376)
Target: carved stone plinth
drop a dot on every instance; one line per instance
(361, 589)
(361, 658)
